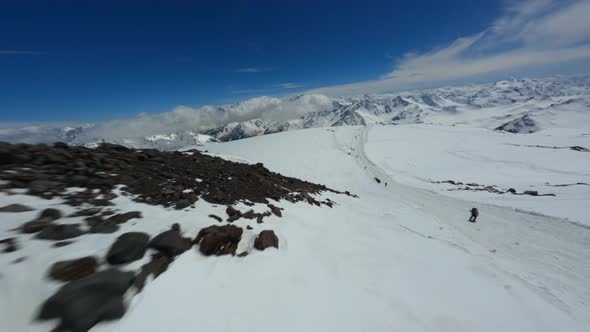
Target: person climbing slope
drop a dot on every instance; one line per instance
(474, 215)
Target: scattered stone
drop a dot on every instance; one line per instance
(377, 180)
(57, 232)
(531, 192)
(128, 248)
(243, 254)
(158, 265)
(107, 213)
(266, 239)
(62, 244)
(170, 179)
(34, 226)
(50, 215)
(219, 240)
(170, 243)
(16, 208)
(83, 303)
(85, 212)
(122, 218)
(248, 227)
(215, 217)
(275, 210)
(105, 227)
(9, 244)
(73, 269)
(19, 260)
(249, 214)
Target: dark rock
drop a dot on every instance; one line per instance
(15, 208)
(249, 214)
(170, 243)
(219, 240)
(511, 190)
(62, 244)
(231, 211)
(78, 181)
(104, 227)
(73, 269)
(266, 239)
(377, 180)
(61, 145)
(19, 260)
(248, 227)
(128, 248)
(158, 265)
(85, 212)
(42, 186)
(215, 217)
(50, 215)
(175, 227)
(124, 217)
(34, 226)
(83, 303)
(531, 193)
(275, 210)
(57, 232)
(243, 254)
(9, 244)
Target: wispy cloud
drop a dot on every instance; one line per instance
(529, 34)
(15, 52)
(289, 85)
(249, 70)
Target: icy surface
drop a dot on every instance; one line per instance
(400, 257)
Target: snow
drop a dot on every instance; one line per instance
(400, 257)
(419, 154)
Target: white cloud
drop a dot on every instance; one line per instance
(530, 33)
(187, 118)
(248, 70)
(289, 85)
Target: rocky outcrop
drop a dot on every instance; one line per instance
(219, 240)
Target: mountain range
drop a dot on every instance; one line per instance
(514, 106)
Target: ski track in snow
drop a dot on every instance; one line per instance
(542, 251)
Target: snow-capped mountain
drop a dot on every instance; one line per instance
(515, 106)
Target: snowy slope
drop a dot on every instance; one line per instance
(396, 258)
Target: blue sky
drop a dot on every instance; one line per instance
(97, 60)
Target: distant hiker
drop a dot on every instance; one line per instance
(474, 214)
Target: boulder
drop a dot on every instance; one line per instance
(73, 269)
(9, 244)
(266, 239)
(50, 215)
(81, 304)
(128, 248)
(154, 268)
(170, 243)
(34, 226)
(57, 232)
(219, 240)
(531, 193)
